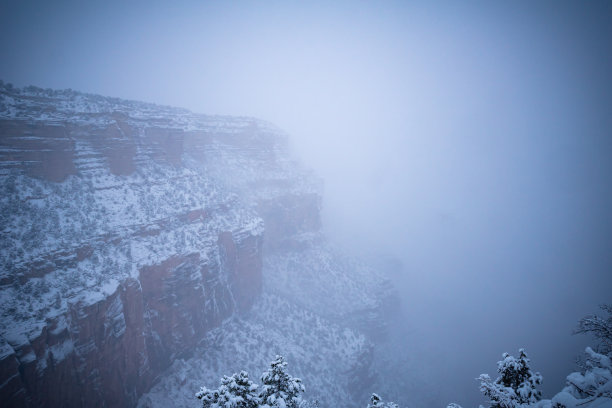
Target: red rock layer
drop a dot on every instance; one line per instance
(108, 353)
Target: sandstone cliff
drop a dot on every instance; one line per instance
(125, 238)
(131, 231)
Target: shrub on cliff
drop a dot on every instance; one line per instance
(516, 385)
(236, 391)
(278, 389)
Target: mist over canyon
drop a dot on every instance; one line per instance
(389, 195)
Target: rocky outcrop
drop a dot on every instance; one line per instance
(109, 352)
(41, 150)
(145, 249)
(129, 231)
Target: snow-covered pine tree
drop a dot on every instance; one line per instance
(377, 402)
(279, 389)
(594, 383)
(236, 391)
(516, 385)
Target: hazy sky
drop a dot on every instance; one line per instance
(471, 140)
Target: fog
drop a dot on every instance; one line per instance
(471, 142)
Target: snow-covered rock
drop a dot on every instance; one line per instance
(132, 231)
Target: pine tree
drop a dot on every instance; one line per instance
(236, 391)
(278, 388)
(516, 385)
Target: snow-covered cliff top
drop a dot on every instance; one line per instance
(134, 183)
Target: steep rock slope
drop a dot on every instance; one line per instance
(131, 232)
(327, 334)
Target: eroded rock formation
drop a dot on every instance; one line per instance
(129, 230)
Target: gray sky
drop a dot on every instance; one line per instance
(471, 140)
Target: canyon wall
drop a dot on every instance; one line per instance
(129, 230)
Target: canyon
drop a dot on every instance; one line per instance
(146, 249)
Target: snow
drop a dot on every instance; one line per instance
(62, 350)
(5, 349)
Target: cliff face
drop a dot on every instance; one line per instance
(129, 231)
